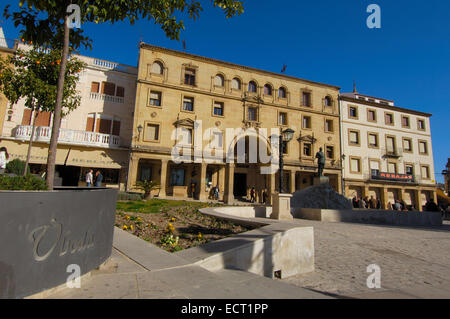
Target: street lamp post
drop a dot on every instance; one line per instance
(285, 137)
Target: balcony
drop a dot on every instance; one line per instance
(105, 97)
(392, 152)
(44, 133)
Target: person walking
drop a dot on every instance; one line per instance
(4, 157)
(98, 179)
(89, 178)
(216, 192)
(252, 195)
(372, 202)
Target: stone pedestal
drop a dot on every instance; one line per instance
(281, 207)
(321, 181)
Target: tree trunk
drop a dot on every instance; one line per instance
(51, 160)
(30, 145)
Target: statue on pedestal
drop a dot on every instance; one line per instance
(321, 162)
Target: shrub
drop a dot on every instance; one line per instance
(27, 183)
(129, 196)
(16, 167)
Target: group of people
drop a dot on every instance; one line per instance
(372, 203)
(214, 192)
(92, 180)
(4, 159)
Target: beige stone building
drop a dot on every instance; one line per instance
(387, 150)
(176, 91)
(7, 47)
(96, 135)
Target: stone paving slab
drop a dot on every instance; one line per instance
(145, 254)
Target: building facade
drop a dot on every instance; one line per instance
(95, 136)
(177, 92)
(387, 151)
(446, 174)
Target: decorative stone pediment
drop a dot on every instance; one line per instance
(253, 99)
(307, 138)
(185, 123)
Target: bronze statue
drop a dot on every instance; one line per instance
(321, 162)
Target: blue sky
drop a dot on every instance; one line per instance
(407, 60)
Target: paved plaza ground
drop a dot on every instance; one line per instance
(414, 262)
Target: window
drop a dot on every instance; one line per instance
(152, 132)
(330, 152)
(177, 177)
(188, 133)
(219, 80)
(353, 112)
(329, 126)
(390, 145)
(371, 115)
(405, 121)
(95, 87)
(282, 118)
(218, 139)
(423, 149)
(236, 84)
(392, 167)
(146, 173)
(328, 101)
(354, 137)
(374, 168)
(373, 139)
(355, 165)
(116, 127)
(120, 92)
(188, 104)
(155, 98)
(252, 114)
(389, 118)
(407, 145)
(189, 76)
(421, 125)
(282, 93)
(103, 124)
(267, 90)
(306, 99)
(306, 123)
(409, 169)
(425, 170)
(218, 108)
(157, 68)
(252, 87)
(307, 149)
(90, 124)
(108, 88)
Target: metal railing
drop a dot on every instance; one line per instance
(43, 134)
(392, 152)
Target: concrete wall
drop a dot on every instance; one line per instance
(42, 233)
(370, 216)
(276, 247)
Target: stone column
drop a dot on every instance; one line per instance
(229, 196)
(271, 188)
(293, 184)
(418, 199)
(435, 197)
(221, 182)
(164, 165)
(132, 172)
(202, 195)
(384, 198)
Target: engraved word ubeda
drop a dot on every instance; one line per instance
(64, 243)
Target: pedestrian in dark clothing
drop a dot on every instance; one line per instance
(431, 206)
(98, 179)
(372, 203)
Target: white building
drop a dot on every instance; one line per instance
(386, 151)
(97, 135)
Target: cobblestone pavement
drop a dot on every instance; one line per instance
(414, 259)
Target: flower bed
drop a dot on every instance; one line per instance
(173, 225)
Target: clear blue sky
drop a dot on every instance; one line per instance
(407, 60)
